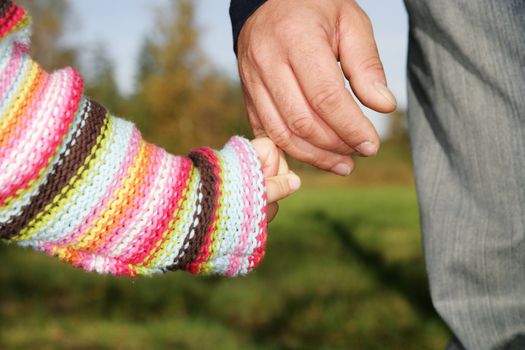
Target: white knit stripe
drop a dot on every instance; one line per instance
(256, 178)
(6, 52)
(7, 65)
(259, 201)
(93, 188)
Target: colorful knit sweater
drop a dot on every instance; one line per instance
(82, 185)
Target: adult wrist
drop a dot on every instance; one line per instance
(240, 11)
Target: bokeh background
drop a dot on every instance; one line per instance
(344, 266)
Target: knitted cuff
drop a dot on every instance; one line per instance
(82, 185)
(229, 231)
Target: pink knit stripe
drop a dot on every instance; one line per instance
(50, 139)
(27, 126)
(124, 221)
(92, 262)
(179, 176)
(246, 225)
(258, 254)
(11, 70)
(136, 213)
(11, 19)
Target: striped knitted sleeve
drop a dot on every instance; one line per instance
(82, 185)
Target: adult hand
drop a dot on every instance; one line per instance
(294, 90)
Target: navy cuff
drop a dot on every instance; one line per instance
(240, 11)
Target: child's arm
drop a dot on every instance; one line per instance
(82, 185)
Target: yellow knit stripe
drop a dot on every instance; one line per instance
(24, 22)
(10, 117)
(120, 198)
(77, 180)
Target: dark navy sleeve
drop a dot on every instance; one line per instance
(240, 11)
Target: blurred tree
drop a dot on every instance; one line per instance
(49, 21)
(398, 131)
(181, 101)
(100, 81)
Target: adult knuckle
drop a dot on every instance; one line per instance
(318, 162)
(258, 131)
(259, 55)
(372, 63)
(303, 125)
(355, 130)
(280, 136)
(327, 99)
(289, 30)
(364, 19)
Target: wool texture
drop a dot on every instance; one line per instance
(82, 185)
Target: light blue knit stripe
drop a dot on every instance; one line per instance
(93, 188)
(230, 229)
(5, 56)
(13, 89)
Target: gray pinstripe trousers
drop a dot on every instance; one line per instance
(466, 87)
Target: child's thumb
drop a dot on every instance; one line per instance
(281, 186)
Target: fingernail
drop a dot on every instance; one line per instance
(294, 182)
(385, 92)
(342, 169)
(366, 149)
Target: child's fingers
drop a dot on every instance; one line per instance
(269, 155)
(281, 186)
(283, 164)
(271, 211)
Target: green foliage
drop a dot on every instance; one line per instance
(100, 82)
(181, 101)
(343, 270)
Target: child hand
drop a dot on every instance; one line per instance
(280, 181)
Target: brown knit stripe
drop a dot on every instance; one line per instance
(79, 148)
(8, 12)
(209, 194)
(5, 5)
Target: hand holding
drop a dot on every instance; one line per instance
(280, 181)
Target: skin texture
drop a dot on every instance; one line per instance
(280, 181)
(288, 54)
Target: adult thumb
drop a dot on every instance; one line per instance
(360, 61)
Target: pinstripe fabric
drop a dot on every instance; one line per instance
(467, 125)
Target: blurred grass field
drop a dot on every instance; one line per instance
(343, 270)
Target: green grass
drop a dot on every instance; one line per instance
(343, 270)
